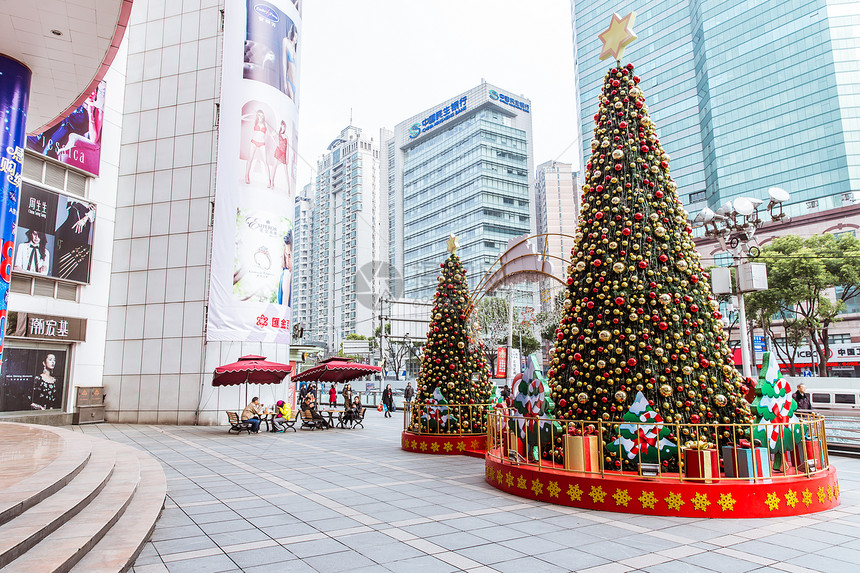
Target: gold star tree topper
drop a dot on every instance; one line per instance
(617, 36)
(453, 244)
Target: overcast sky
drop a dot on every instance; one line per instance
(390, 59)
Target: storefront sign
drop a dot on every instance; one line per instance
(252, 244)
(76, 140)
(54, 236)
(45, 327)
(442, 115)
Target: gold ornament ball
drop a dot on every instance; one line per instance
(582, 398)
(720, 400)
(665, 390)
(618, 267)
(605, 335)
(620, 396)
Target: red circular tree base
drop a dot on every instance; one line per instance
(794, 495)
(444, 444)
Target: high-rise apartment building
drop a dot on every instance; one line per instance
(342, 240)
(745, 96)
(465, 167)
(557, 213)
(303, 267)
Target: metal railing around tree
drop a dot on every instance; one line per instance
(584, 446)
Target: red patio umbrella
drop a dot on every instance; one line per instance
(336, 370)
(250, 369)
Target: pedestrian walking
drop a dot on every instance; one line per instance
(409, 392)
(332, 397)
(388, 400)
(802, 398)
(347, 396)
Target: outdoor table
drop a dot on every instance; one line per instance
(269, 419)
(331, 412)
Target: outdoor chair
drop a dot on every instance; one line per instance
(359, 418)
(308, 420)
(237, 424)
(291, 424)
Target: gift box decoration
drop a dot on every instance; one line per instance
(580, 453)
(701, 464)
(808, 450)
(752, 462)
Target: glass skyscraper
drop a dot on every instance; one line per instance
(745, 96)
(462, 167)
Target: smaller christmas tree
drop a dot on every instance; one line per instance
(535, 426)
(644, 437)
(773, 408)
(454, 388)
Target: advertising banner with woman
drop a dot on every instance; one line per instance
(252, 245)
(54, 235)
(32, 379)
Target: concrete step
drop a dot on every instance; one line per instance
(69, 543)
(35, 463)
(119, 548)
(26, 530)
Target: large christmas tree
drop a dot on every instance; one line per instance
(639, 317)
(453, 368)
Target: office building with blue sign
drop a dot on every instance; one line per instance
(464, 166)
(744, 97)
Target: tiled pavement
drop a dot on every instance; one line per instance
(353, 500)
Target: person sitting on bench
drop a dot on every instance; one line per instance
(310, 405)
(251, 414)
(282, 416)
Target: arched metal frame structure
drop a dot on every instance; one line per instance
(484, 286)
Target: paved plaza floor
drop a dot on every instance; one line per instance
(352, 500)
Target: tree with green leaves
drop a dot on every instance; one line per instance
(801, 275)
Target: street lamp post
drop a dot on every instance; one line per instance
(734, 226)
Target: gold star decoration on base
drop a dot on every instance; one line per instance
(453, 244)
(434, 446)
(476, 444)
(414, 444)
(553, 489)
(461, 446)
(423, 446)
(574, 492)
(791, 498)
(537, 486)
(617, 36)
(674, 501)
(648, 499)
(701, 502)
(807, 497)
(830, 492)
(448, 446)
(772, 501)
(836, 489)
(727, 502)
(521, 482)
(597, 494)
(621, 497)
(822, 495)
(509, 480)
(499, 477)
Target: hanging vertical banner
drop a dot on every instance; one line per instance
(252, 236)
(14, 99)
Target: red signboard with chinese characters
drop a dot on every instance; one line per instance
(502, 362)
